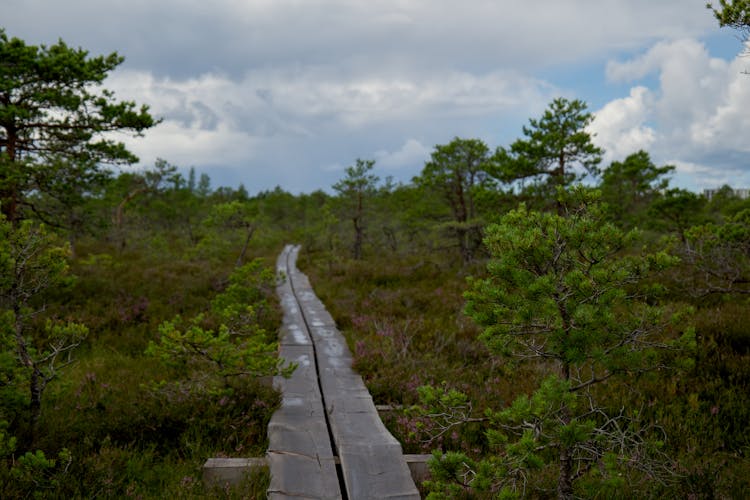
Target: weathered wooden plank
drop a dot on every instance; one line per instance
(371, 459)
(230, 471)
(300, 454)
(376, 471)
(301, 477)
(303, 382)
(293, 334)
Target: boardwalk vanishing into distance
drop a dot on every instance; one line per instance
(326, 415)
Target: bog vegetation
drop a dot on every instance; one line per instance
(545, 325)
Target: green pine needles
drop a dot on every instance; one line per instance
(228, 341)
(565, 292)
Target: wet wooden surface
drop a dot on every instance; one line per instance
(326, 410)
(300, 456)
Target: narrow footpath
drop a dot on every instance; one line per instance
(326, 440)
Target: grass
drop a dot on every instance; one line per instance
(403, 321)
(119, 424)
(402, 317)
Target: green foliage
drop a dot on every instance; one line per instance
(430, 396)
(126, 440)
(412, 221)
(151, 252)
(238, 346)
(31, 263)
(733, 13)
(36, 473)
(154, 187)
(440, 411)
(52, 117)
(629, 187)
(402, 318)
(557, 150)
(7, 441)
(459, 172)
(107, 428)
(232, 214)
(355, 191)
(125, 437)
(452, 475)
(31, 260)
(724, 202)
(63, 194)
(721, 255)
(241, 215)
(561, 290)
(358, 181)
(401, 313)
(676, 211)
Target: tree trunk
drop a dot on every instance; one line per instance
(559, 173)
(120, 210)
(241, 257)
(390, 237)
(9, 195)
(36, 385)
(9, 204)
(118, 216)
(73, 233)
(565, 479)
(464, 245)
(35, 382)
(358, 229)
(72, 242)
(358, 237)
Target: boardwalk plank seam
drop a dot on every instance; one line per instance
(372, 461)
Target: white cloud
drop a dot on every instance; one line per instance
(690, 80)
(282, 88)
(411, 153)
(666, 56)
(692, 169)
(728, 124)
(211, 119)
(696, 118)
(698, 177)
(322, 93)
(620, 126)
(190, 146)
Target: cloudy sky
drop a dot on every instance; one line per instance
(290, 92)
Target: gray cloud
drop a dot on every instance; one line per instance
(182, 38)
(288, 92)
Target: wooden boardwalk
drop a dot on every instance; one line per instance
(327, 414)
